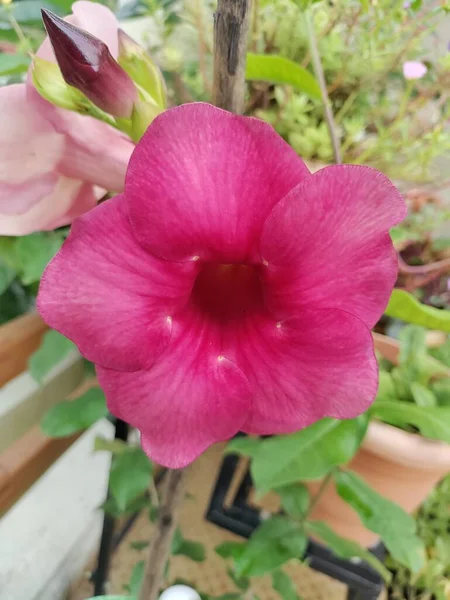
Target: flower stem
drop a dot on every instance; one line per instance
(231, 25)
(318, 70)
(323, 486)
(162, 536)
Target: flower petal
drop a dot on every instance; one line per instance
(29, 146)
(202, 181)
(318, 364)
(327, 243)
(54, 198)
(191, 398)
(110, 296)
(95, 152)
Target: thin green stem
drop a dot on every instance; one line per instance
(318, 70)
(323, 486)
(15, 25)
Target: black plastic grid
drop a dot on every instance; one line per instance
(363, 582)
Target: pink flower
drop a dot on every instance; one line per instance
(52, 159)
(228, 288)
(413, 69)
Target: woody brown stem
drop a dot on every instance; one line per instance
(231, 26)
(162, 535)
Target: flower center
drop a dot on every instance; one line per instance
(228, 292)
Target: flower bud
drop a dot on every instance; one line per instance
(50, 84)
(87, 65)
(141, 68)
(143, 114)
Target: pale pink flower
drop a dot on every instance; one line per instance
(53, 159)
(413, 69)
(228, 288)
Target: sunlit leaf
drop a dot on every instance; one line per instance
(275, 542)
(283, 584)
(405, 307)
(307, 454)
(71, 416)
(130, 476)
(345, 548)
(281, 70)
(53, 349)
(396, 528)
(247, 446)
(433, 422)
(294, 499)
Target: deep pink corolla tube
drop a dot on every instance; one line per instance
(228, 288)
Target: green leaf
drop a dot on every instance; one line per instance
(35, 251)
(111, 507)
(26, 11)
(413, 343)
(277, 69)
(136, 578)
(283, 584)
(232, 550)
(182, 547)
(405, 307)
(423, 397)
(275, 542)
(386, 387)
(345, 548)
(130, 476)
(71, 416)
(6, 277)
(13, 63)
(441, 390)
(307, 454)
(113, 446)
(8, 251)
(243, 583)
(432, 422)
(53, 349)
(247, 446)
(396, 528)
(294, 499)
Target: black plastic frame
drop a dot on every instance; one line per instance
(363, 582)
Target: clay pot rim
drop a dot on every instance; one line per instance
(407, 449)
(396, 445)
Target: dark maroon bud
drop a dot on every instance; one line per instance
(87, 65)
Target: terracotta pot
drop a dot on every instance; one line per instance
(19, 338)
(401, 466)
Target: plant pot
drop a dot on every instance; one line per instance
(19, 338)
(401, 466)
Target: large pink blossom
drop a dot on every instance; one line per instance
(228, 288)
(53, 159)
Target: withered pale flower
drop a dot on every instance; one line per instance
(414, 69)
(228, 288)
(54, 161)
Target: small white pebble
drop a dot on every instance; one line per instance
(179, 592)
